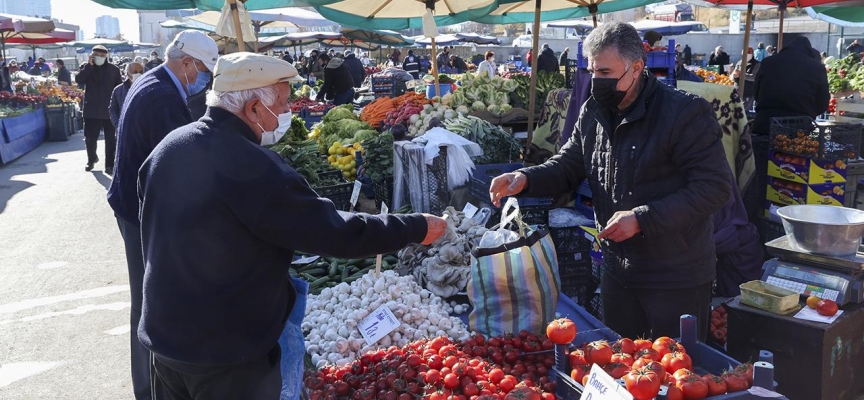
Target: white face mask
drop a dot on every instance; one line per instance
(99, 60)
(271, 137)
(134, 77)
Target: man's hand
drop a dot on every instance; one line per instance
(90, 60)
(507, 185)
(436, 227)
(622, 226)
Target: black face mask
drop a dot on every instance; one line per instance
(605, 91)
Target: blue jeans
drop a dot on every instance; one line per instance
(345, 97)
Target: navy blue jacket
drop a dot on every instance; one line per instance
(221, 217)
(99, 82)
(358, 72)
(63, 75)
(118, 96)
(153, 108)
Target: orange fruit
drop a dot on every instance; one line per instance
(812, 301)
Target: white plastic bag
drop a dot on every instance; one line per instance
(502, 235)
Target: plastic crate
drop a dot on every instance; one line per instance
(769, 230)
(535, 211)
(59, 127)
(383, 191)
(598, 267)
(661, 59)
(705, 359)
(582, 205)
(596, 306)
(436, 194)
(825, 140)
(580, 288)
(339, 194)
(569, 239)
(487, 172)
(574, 264)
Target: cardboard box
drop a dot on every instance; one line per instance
(804, 170)
(790, 193)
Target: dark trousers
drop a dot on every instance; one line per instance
(651, 313)
(135, 262)
(259, 379)
(345, 97)
(92, 127)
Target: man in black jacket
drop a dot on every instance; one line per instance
(656, 183)
(358, 72)
(458, 64)
(411, 64)
(154, 106)
(338, 84)
(782, 91)
(63, 74)
(562, 59)
(154, 62)
(100, 78)
(221, 218)
(547, 61)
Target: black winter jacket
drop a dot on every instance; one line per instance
(337, 79)
(790, 83)
(666, 163)
(358, 73)
(100, 82)
(547, 61)
(221, 217)
(722, 61)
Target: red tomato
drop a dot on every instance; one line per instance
(664, 345)
(693, 386)
(577, 357)
(451, 381)
(648, 353)
(523, 393)
(682, 373)
(432, 376)
(826, 307)
(746, 371)
(496, 375)
(561, 331)
(675, 361)
(616, 369)
(598, 352)
(642, 344)
(507, 384)
(580, 371)
(624, 358)
(643, 384)
(624, 345)
(734, 382)
(716, 385)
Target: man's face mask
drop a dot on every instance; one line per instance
(271, 137)
(605, 90)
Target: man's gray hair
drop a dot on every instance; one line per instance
(619, 36)
(235, 101)
(173, 52)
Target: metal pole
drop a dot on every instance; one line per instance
(532, 92)
(235, 15)
(742, 74)
(435, 68)
(780, 33)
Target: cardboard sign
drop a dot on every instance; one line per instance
(378, 324)
(602, 386)
(355, 195)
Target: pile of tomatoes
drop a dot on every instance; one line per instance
(719, 321)
(437, 369)
(645, 366)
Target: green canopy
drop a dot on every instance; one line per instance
(212, 5)
(522, 11)
(401, 14)
(843, 16)
(384, 37)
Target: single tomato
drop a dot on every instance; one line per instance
(561, 331)
(616, 369)
(643, 383)
(674, 393)
(693, 386)
(734, 382)
(624, 358)
(827, 307)
(675, 361)
(598, 352)
(716, 385)
(580, 371)
(624, 345)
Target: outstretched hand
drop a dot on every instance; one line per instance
(505, 185)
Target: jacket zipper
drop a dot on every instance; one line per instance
(631, 172)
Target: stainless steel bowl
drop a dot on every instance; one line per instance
(827, 230)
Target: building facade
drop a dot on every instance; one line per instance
(30, 8)
(107, 27)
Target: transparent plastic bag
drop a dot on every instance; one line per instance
(293, 346)
(499, 234)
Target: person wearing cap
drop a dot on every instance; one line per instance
(358, 72)
(411, 64)
(338, 85)
(99, 78)
(221, 219)
(155, 105)
(154, 61)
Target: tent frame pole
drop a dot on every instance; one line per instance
(532, 100)
(742, 74)
(235, 15)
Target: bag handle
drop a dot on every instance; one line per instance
(510, 213)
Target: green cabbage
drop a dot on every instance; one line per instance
(345, 111)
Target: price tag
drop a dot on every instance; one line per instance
(602, 386)
(355, 195)
(380, 258)
(378, 324)
(470, 210)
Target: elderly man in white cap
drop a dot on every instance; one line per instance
(155, 106)
(221, 218)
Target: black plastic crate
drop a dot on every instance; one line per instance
(595, 308)
(535, 211)
(598, 267)
(339, 194)
(59, 127)
(434, 181)
(579, 288)
(569, 239)
(769, 230)
(574, 265)
(825, 140)
(383, 191)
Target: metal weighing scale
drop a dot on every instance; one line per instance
(836, 278)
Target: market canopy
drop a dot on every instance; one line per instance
(208, 21)
(210, 5)
(475, 38)
(109, 44)
(522, 11)
(441, 40)
(293, 15)
(666, 28)
(382, 37)
(12, 26)
(300, 38)
(403, 14)
(850, 17)
(31, 39)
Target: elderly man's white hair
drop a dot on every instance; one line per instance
(235, 101)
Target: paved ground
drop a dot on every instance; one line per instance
(64, 295)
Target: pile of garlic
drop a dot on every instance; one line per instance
(330, 325)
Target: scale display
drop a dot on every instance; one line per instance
(808, 281)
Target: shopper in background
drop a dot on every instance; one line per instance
(154, 106)
(134, 71)
(547, 61)
(750, 71)
(358, 71)
(411, 64)
(396, 57)
(529, 56)
(365, 59)
(720, 59)
(488, 65)
(35, 69)
(301, 66)
(64, 77)
(443, 57)
(222, 342)
(782, 91)
(315, 67)
(13, 67)
(771, 50)
(286, 56)
(338, 85)
(655, 189)
(760, 53)
(688, 55)
(5, 78)
(154, 62)
(100, 78)
(457, 64)
(562, 59)
(198, 94)
(855, 47)
(653, 39)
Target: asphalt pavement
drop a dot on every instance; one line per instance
(64, 294)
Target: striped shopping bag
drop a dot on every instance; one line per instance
(514, 286)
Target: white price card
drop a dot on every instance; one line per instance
(384, 211)
(305, 260)
(602, 386)
(356, 193)
(469, 210)
(378, 324)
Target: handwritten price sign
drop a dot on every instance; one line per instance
(378, 324)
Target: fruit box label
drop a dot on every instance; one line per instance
(591, 234)
(792, 193)
(804, 170)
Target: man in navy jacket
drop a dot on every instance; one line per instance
(221, 217)
(155, 105)
(100, 78)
